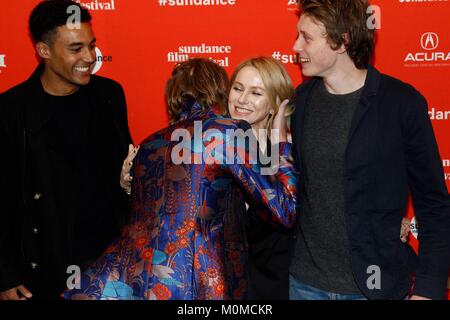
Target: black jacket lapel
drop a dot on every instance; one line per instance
(370, 90)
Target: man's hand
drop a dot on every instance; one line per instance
(404, 232)
(280, 123)
(13, 294)
(405, 228)
(125, 177)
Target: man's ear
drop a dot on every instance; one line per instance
(343, 47)
(43, 50)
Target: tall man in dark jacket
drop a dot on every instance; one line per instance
(363, 141)
(64, 134)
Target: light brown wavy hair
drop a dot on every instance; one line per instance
(199, 79)
(344, 17)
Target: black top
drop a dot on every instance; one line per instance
(268, 265)
(322, 257)
(81, 133)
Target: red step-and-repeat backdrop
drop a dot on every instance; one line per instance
(140, 41)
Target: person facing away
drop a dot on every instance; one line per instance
(66, 133)
(186, 237)
(362, 142)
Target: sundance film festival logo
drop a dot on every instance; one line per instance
(99, 60)
(420, 1)
(430, 55)
(217, 53)
(98, 5)
(2, 62)
(438, 114)
(185, 3)
(285, 57)
(446, 164)
(414, 227)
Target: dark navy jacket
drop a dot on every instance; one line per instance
(391, 153)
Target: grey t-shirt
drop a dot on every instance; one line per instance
(322, 254)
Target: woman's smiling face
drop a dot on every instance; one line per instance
(248, 99)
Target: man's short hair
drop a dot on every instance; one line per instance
(48, 15)
(344, 17)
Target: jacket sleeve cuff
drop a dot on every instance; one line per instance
(285, 149)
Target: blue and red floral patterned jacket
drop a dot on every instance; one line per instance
(186, 238)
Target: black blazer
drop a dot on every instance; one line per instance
(30, 187)
(391, 152)
(268, 265)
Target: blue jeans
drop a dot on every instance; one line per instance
(302, 291)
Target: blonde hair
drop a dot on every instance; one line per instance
(277, 83)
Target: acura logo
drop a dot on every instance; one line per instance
(429, 41)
